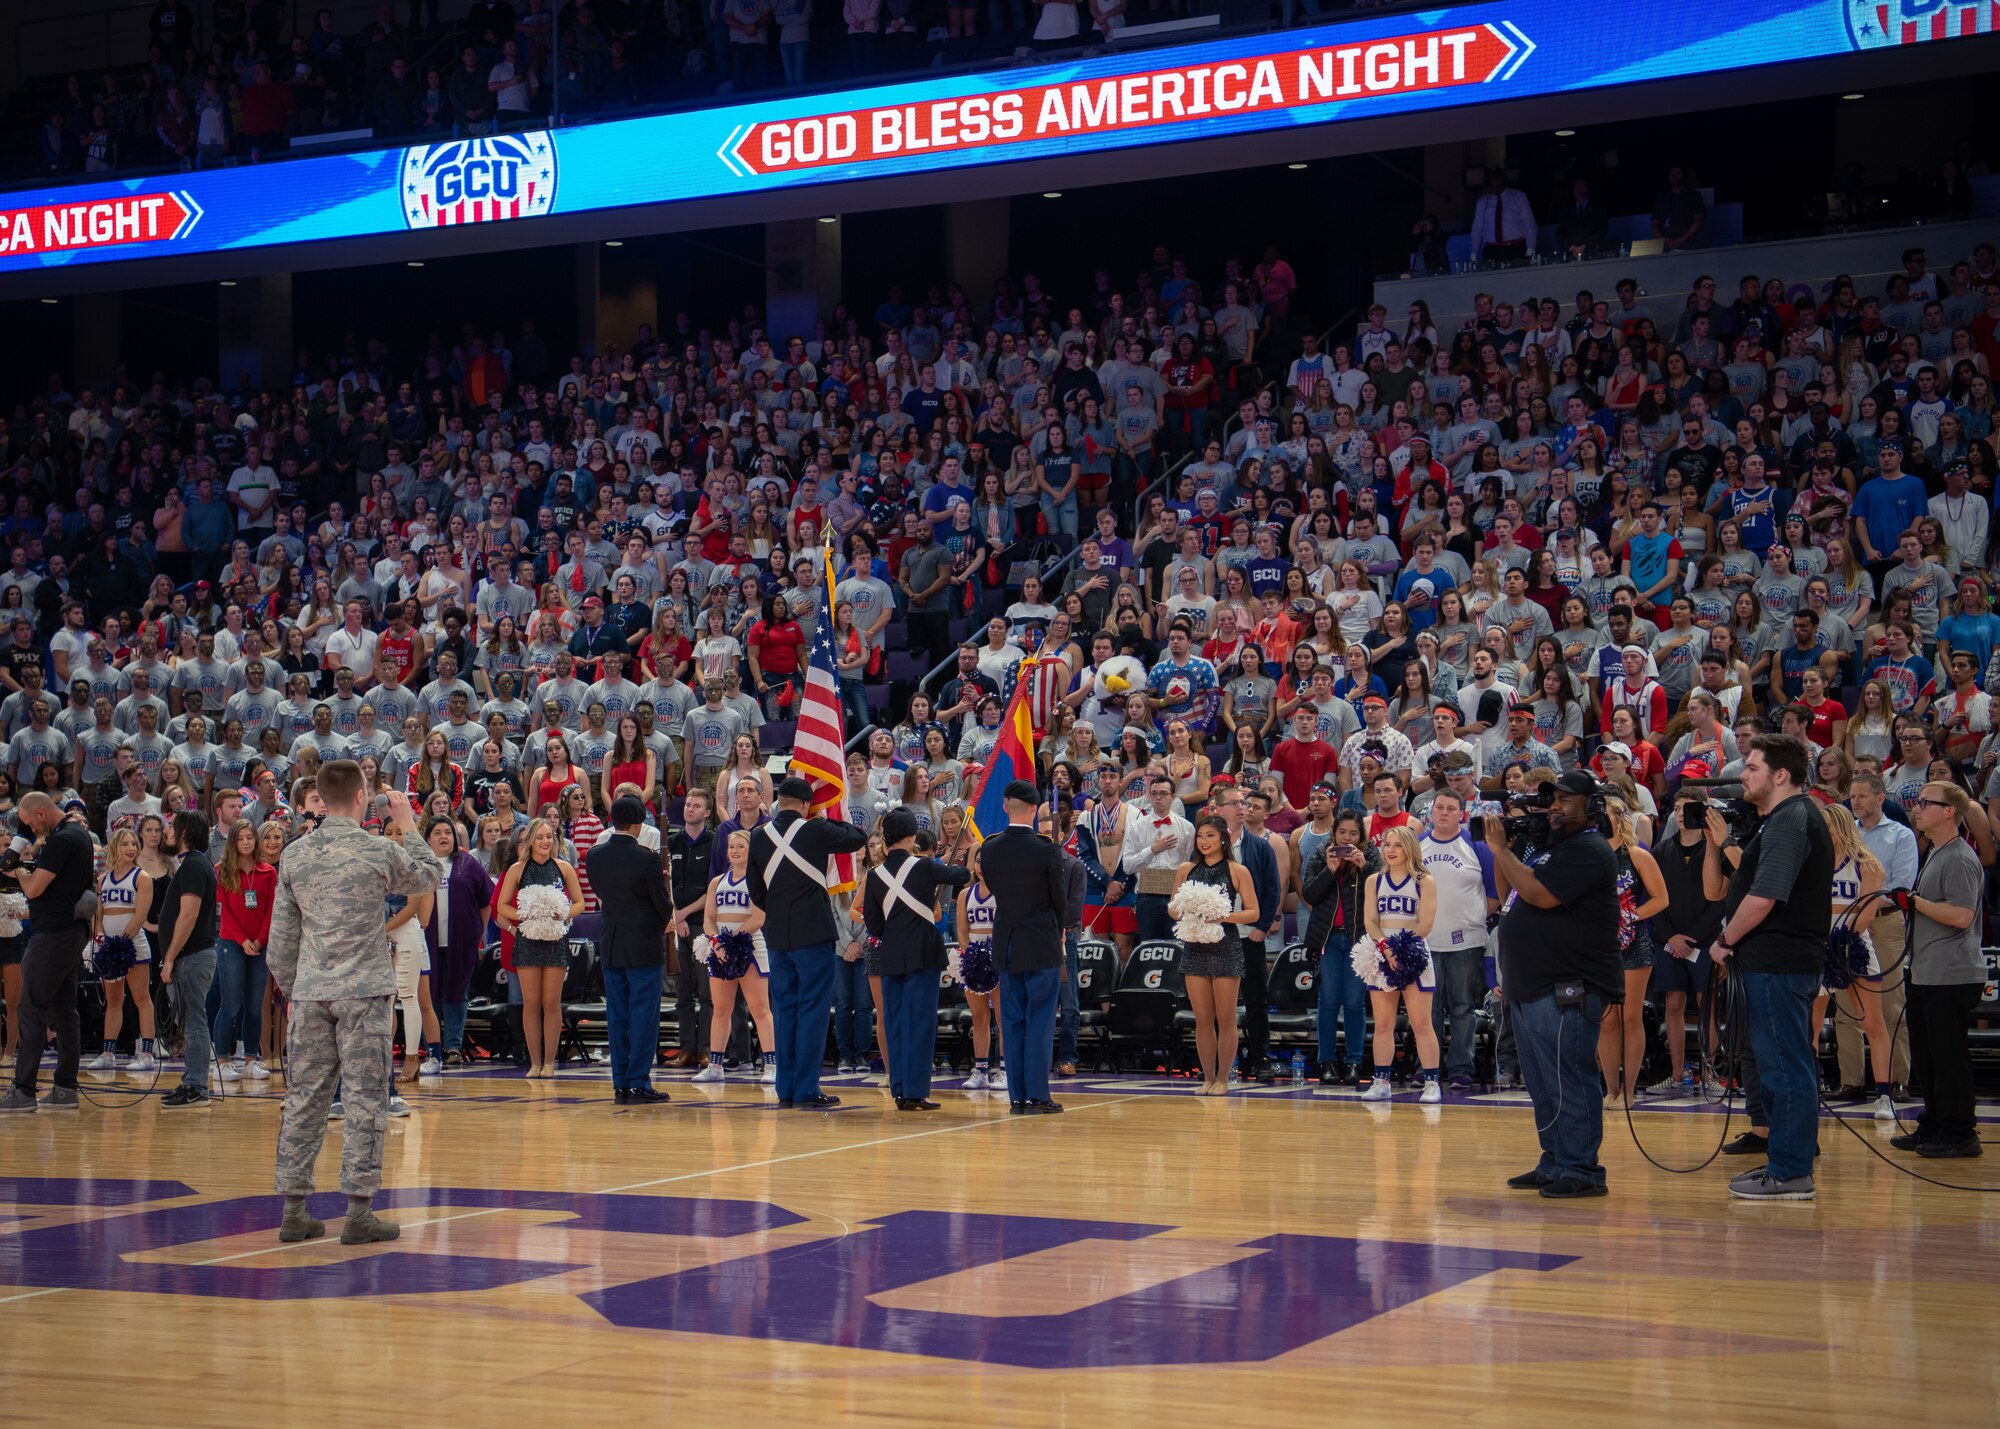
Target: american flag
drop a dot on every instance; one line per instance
(819, 745)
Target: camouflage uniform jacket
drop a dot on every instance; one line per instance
(327, 938)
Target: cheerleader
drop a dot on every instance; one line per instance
(1213, 970)
(410, 956)
(1402, 899)
(1642, 892)
(976, 974)
(728, 909)
(540, 964)
(1857, 874)
(124, 894)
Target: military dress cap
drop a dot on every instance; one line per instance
(793, 787)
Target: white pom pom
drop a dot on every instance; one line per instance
(1198, 910)
(1366, 959)
(542, 913)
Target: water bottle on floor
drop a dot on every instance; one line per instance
(1298, 1069)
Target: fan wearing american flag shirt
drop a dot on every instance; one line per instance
(1057, 659)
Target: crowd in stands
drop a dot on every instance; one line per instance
(1397, 566)
(229, 80)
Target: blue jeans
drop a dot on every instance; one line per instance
(239, 979)
(1461, 986)
(854, 706)
(1060, 515)
(853, 1009)
(1559, 1063)
(193, 972)
(632, 1023)
(1069, 1011)
(1778, 1012)
(451, 1018)
(1343, 997)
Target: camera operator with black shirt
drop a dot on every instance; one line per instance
(1774, 944)
(59, 875)
(1559, 971)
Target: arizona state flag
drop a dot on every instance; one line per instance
(1013, 758)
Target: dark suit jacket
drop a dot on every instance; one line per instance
(1585, 229)
(909, 944)
(797, 911)
(1263, 867)
(631, 886)
(1025, 872)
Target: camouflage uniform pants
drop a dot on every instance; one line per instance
(342, 1044)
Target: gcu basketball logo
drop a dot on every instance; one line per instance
(1880, 24)
(479, 180)
(1274, 1294)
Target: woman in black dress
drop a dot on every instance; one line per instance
(1212, 971)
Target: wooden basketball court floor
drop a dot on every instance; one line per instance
(1280, 1258)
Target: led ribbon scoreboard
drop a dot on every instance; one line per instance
(1362, 68)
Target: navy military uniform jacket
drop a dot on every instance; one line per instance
(631, 886)
(797, 910)
(909, 943)
(1025, 872)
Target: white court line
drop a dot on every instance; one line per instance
(850, 1146)
(32, 1294)
(634, 1186)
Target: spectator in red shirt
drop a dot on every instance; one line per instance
(776, 648)
(1388, 812)
(244, 887)
(1304, 759)
(267, 111)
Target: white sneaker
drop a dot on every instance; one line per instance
(768, 1074)
(142, 1062)
(256, 1071)
(229, 1071)
(711, 1073)
(1432, 1094)
(1711, 1085)
(1378, 1090)
(105, 1061)
(1885, 1110)
(978, 1081)
(398, 1107)
(430, 1067)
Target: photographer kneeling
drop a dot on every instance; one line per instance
(1774, 945)
(1559, 972)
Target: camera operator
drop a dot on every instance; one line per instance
(1684, 928)
(1559, 972)
(1776, 945)
(59, 875)
(1947, 976)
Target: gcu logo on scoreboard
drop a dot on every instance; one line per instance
(1880, 24)
(479, 180)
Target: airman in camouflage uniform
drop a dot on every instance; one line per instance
(330, 955)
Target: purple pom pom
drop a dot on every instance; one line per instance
(1846, 959)
(113, 957)
(975, 966)
(731, 954)
(1404, 958)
